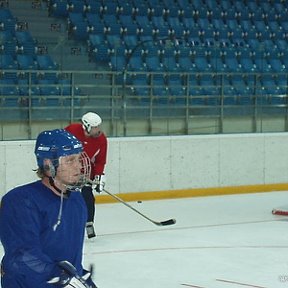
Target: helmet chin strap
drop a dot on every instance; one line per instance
(52, 183)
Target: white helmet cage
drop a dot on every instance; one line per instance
(85, 173)
(90, 120)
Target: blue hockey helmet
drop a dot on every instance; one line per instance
(56, 143)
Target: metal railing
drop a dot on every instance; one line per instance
(31, 97)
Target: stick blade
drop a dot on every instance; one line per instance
(167, 222)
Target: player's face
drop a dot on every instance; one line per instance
(95, 131)
(69, 169)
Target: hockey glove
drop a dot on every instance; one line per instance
(99, 183)
(69, 277)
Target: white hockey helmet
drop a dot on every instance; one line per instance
(90, 120)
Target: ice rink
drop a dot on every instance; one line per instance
(218, 242)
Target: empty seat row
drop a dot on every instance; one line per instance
(27, 62)
(81, 26)
(61, 8)
(17, 92)
(157, 58)
(212, 89)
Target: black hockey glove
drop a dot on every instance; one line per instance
(69, 277)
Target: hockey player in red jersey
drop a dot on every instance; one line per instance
(95, 145)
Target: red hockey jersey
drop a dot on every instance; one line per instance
(96, 148)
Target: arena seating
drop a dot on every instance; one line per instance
(248, 36)
(167, 36)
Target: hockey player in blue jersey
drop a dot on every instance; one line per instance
(42, 224)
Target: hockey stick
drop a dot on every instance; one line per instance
(162, 223)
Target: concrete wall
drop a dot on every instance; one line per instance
(138, 164)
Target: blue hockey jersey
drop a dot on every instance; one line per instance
(32, 247)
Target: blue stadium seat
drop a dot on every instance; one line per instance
(78, 26)
(93, 6)
(226, 5)
(281, 44)
(78, 6)
(9, 47)
(161, 27)
(261, 63)
(186, 64)
(112, 24)
(245, 59)
(48, 88)
(246, 25)
(216, 60)
(96, 25)
(233, 24)
(110, 8)
(207, 80)
(140, 9)
(113, 40)
(229, 92)
(276, 63)
(58, 8)
(142, 21)
(136, 63)
(201, 62)
(130, 29)
(6, 35)
(140, 87)
(236, 37)
(5, 13)
(95, 39)
(153, 63)
(282, 84)
(231, 61)
(26, 62)
(172, 10)
(130, 41)
(208, 36)
(269, 84)
(125, 8)
(25, 42)
(100, 53)
(117, 62)
(221, 37)
(168, 59)
(65, 87)
(245, 87)
(216, 21)
(7, 62)
(177, 30)
(159, 91)
(9, 93)
(8, 24)
(28, 88)
(45, 62)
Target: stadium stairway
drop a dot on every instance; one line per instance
(51, 33)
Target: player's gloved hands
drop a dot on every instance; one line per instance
(69, 277)
(99, 183)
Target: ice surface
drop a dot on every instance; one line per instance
(216, 239)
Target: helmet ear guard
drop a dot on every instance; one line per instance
(50, 167)
(86, 126)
